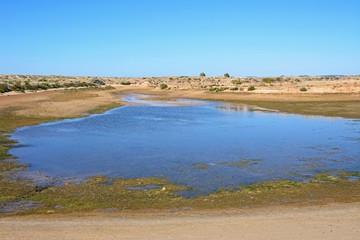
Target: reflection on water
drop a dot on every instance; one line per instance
(201, 146)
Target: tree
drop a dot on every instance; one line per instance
(226, 75)
(202, 74)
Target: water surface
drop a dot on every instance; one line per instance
(205, 146)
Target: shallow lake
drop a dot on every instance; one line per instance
(203, 145)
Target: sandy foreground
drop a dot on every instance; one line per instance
(336, 221)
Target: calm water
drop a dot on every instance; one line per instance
(206, 146)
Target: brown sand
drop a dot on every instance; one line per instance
(337, 221)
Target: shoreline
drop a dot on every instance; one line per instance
(100, 100)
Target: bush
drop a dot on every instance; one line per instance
(83, 84)
(29, 86)
(236, 81)
(226, 75)
(202, 74)
(251, 88)
(44, 86)
(163, 86)
(18, 87)
(4, 88)
(97, 81)
(218, 89)
(268, 80)
(234, 89)
(125, 83)
(303, 89)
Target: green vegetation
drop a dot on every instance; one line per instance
(268, 80)
(347, 175)
(218, 89)
(104, 108)
(303, 89)
(251, 88)
(43, 84)
(226, 75)
(323, 177)
(163, 86)
(234, 89)
(202, 74)
(97, 81)
(126, 83)
(243, 163)
(237, 81)
(347, 109)
(200, 166)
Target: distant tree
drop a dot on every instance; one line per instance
(226, 75)
(202, 74)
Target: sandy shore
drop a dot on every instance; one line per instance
(337, 221)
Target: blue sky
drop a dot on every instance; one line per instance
(180, 37)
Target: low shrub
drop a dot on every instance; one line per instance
(4, 88)
(163, 86)
(268, 80)
(303, 89)
(251, 88)
(126, 83)
(236, 81)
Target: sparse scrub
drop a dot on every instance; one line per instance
(303, 89)
(226, 75)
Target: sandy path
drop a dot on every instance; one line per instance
(337, 221)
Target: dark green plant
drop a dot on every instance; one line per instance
(18, 87)
(126, 83)
(226, 75)
(268, 80)
(97, 81)
(202, 74)
(44, 86)
(4, 88)
(236, 81)
(163, 86)
(303, 89)
(251, 88)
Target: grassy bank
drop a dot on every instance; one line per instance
(347, 109)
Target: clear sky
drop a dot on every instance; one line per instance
(180, 37)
